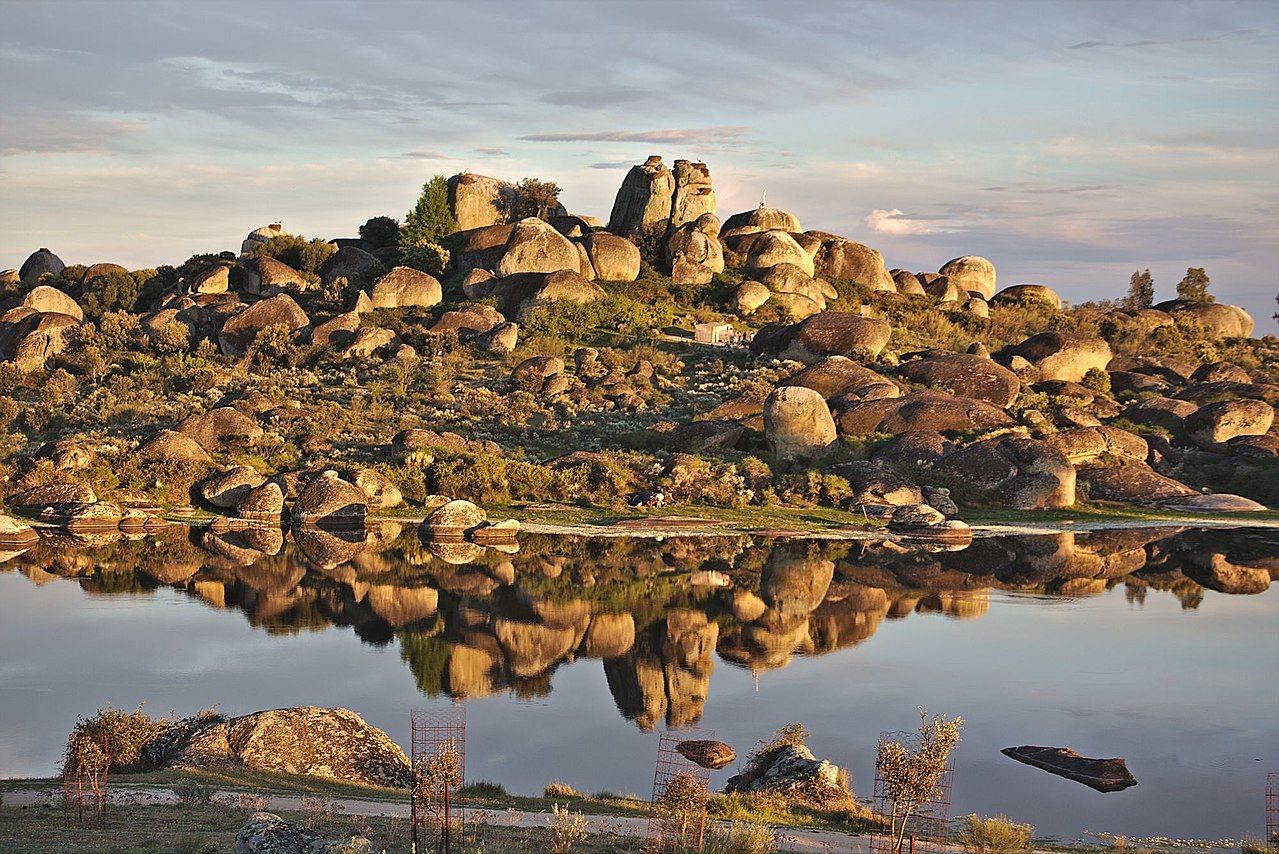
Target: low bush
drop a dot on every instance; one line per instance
(193, 792)
(741, 837)
(994, 835)
(560, 789)
(483, 789)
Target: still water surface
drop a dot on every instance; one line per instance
(570, 655)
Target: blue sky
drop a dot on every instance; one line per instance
(1068, 142)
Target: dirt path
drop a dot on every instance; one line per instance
(788, 838)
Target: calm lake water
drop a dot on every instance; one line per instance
(570, 655)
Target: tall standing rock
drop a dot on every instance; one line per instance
(475, 200)
(38, 263)
(694, 194)
(643, 203)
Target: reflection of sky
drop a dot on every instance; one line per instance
(1069, 142)
(1188, 697)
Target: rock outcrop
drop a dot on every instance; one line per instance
(798, 424)
(37, 264)
(653, 199)
(1104, 775)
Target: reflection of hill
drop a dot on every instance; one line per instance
(471, 621)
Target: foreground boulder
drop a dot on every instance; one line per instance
(1104, 775)
(332, 500)
(789, 768)
(1021, 473)
(798, 424)
(455, 519)
(335, 744)
(267, 833)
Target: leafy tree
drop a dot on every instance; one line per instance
(531, 197)
(381, 232)
(1141, 291)
(296, 251)
(428, 257)
(431, 218)
(1193, 287)
(911, 777)
(116, 290)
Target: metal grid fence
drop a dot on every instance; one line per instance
(433, 731)
(678, 827)
(928, 829)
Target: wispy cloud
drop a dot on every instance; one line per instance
(491, 152)
(594, 97)
(897, 223)
(726, 135)
(426, 155)
(1232, 34)
(610, 164)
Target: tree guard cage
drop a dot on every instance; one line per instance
(677, 820)
(86, 769)
(1272, 811)
(928, 829)
(436, 733)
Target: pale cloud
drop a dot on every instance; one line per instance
(895, 222)
(727, 135)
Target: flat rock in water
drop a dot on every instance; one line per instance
(1104, 775)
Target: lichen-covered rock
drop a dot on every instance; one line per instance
(1135, 483)
(789, 768)
(54, 496)
(1218, 319)
(748, 297)
(833, 376)
(1027, 293)
(44, 298)
(265, 276)
(841, 258)
(351, 263)
(1025, 474)
(642, 207)
(240, 329)
(338, 332)
(614, 259)
(777, 247)
(172, 445)
(928, 411)
(405, 287)
(535, 247)
(221, 428)
(707, 753)
(369, 340)
(34, 339)
(1062, 357)
(520, 295)
(211, 280)
(262, 502)
(971, 273)
(328, 499)
(382, 493)
(454, 519)
(798, 424)
(829, 333)
(1086, 444)
(226, 490)
(501, 339)
(967, 376)
(1214, 425)
(469, 321)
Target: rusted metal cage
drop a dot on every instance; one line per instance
(677, 820)
(85, 774)
(928, 829)
(433, 732)
(1272, 811)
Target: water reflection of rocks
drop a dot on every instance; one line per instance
(470, 620)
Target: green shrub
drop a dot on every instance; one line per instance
(994, 835)
(428, 257)
(431, 218)
(1096, 380)
(483, 789)
(381, 232)
(193, 792)
(295, 250)
(114, 291)
(119, 734)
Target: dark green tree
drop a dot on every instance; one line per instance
(1193, 287)
(1141, 291)
(381, 232)
(431, 218)
(532, 197)
(116, 290)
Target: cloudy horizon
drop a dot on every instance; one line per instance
(1070, 143)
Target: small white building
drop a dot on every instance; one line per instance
(713, 333)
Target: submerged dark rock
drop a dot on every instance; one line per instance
(1104, 775)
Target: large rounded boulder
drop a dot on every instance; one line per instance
(971, 273)
(762, 219)
(44, 298)
(1020, 473)
(777, 247)
(1214, 425)
(38, 263)
(1063, 357)
(1219, 320)
(328, 499)
(828, 333)
(240, 330)
(841, 258)
(614, 258)
(966, 375)
(798, 424)
(534, 246)
(405, 287)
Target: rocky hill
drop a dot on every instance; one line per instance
(738, 361)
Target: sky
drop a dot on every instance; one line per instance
(1069, 142)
